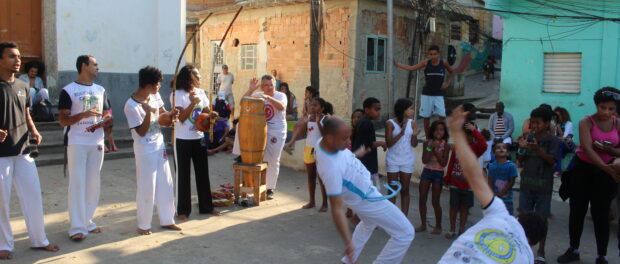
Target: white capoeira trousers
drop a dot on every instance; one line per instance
(21, 172)
(154, 184)
(388, 217)
(273, 151)
(84, 168)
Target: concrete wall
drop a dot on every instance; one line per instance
(524, 45)
(123, 36)
(282, 36)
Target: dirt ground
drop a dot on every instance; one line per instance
(278, 231)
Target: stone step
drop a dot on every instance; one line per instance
(50, 147)
(486, 110)
(48, 126)
(58, 158)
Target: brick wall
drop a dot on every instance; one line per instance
(282, 35)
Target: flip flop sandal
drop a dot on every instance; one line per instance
(451, 235)
(540, 260)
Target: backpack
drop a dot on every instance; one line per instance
(42, 111)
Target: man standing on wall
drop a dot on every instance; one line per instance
(275, 112)
(16, 165)
(224, 82)
(432, 102)
(82, 105)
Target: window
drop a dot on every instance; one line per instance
(375, 54)
(455, 30)
(248, 57)
(474, 29)
(562, 73)
(218, 53)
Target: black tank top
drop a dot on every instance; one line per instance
(434, 75)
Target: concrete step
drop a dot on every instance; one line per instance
(50, 147)
(481, 115)
(486, 110)
(58, 158)
(48, 126)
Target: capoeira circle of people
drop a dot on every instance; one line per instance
(348, 183)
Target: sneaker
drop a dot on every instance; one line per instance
(601, 260)
(569, 256)
(269, 194)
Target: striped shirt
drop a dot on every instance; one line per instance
(500, 127)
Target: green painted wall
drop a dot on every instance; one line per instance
(527, 38)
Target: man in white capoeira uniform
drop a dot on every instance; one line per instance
(153, 176)
(275, 112)
(81, 105)
(16, 165)
(347, 183)
(498, 237)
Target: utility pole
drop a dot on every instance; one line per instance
(390, 55)
(314, 43)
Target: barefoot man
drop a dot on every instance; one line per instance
(153, 176)
(82, 104)
(347, 183)
(16, 165)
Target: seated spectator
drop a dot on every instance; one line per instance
(32, 76)
(221, 105)
(224, 143)
(501, 124)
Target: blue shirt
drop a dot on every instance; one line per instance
(501, 174)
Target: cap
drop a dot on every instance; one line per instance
(225, 66)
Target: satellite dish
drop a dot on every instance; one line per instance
(451, 55)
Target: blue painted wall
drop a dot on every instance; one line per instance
(526, 39)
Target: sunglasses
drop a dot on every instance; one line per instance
(616, 96)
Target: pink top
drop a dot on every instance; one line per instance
(433, 164)
(598, 135)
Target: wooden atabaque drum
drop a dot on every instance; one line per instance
(252, 130)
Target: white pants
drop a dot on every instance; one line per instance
(154, 184)
(84, 167)
(386, 215)
(273, 150)
(22, 172)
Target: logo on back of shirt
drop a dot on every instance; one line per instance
(496, 245)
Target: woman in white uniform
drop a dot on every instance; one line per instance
(153, 176)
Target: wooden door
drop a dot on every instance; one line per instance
(20, 22)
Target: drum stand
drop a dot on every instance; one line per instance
(251, 178)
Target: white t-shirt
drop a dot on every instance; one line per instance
(343, 174)
(83, 98)
(496, 238)
(486, 156)
(276, 119)
(226, 81)
(186, 129)
(153, 139)
(568, 129)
